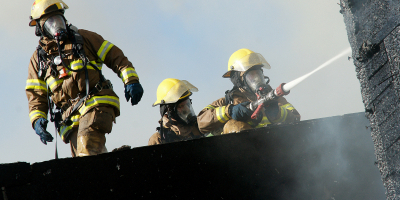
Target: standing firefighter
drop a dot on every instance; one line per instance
(231, 114)
(65, 77)
(178, 120)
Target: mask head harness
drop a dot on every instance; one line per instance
(181, 112)
(55, 26)
(252, 81)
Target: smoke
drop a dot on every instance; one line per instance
(330, 158)
(336, 161)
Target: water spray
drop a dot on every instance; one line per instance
(288, 86)
(284, 88)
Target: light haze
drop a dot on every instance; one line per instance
(189, 40)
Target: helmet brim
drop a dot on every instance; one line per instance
(227, 74)
(177, 92)
(32, 23)
(245, 63)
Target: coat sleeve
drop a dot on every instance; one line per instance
(112, 56)
(155, 139)
(213, 116)
(287, 113)
(36, 92)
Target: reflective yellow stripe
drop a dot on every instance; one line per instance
(264, 122)
(114, 101)
(288, 106)
(53, 82)
(65, 130)
(283, 116)
(220, 112)
(209, 107)
(75, 119)
(35, 84)
(33, 115)
(126, 73)
(78, 64)
(104, 49)
(68, 72)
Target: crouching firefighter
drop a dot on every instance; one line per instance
(231, 113)
(178, 120)
(66, 67)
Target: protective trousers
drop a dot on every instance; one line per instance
(89, 138)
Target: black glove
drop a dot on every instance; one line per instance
(272, 110)
(40, 128)
(240, 112)
(134, 92)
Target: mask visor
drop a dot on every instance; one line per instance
(255, 80)
(55, 26)
(185, 111)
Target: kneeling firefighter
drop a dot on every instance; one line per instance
(178, 119)
(65, 77)
(230, 113)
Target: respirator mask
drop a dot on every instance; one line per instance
(255, 80)
(56, 28)
(185, 111)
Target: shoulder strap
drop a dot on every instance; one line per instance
(77, 48)
(228, 95)
(42, 62)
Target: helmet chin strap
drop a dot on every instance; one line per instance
(38, 30)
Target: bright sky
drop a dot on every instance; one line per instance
(189, 40)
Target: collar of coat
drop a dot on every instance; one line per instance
(179, 129)
(244, 94)
(49, 45)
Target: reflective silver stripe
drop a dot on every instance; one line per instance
(66, 130)
(75, 65)
(35, 114)
(263, 122)
(75, 119)
(288, 106)
(78, 64)
(53, 82)
(104, 49)
(128, 72)
(209, 107)
(35, 84)
(283, 116)
(220, 112)
(111, 100)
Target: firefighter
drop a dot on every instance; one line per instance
(230, 113)
(178, 120)
(65, 78)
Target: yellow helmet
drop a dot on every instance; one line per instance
(42, 7)
(172, 90)
(243, 59)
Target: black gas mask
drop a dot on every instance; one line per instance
(55, 28)
(181, 111)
